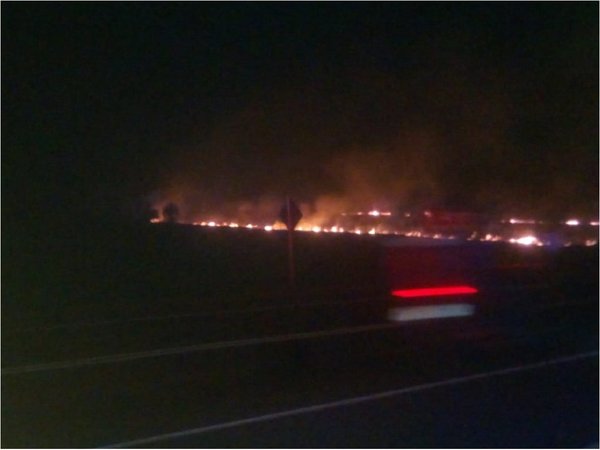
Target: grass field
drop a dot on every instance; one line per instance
(160, 268)
(111, 271)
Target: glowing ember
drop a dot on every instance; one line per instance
(233, 225)
(522, 221)
(376, 213)
(492, 237)
(155, 220)
(526, 240)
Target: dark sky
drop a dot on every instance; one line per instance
(474, 105)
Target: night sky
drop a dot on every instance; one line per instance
(219, 106)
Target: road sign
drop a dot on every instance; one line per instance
(290, 214)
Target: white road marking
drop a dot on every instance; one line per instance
(124, 357)
(351, 401)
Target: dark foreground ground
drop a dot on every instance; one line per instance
(359, 387)
(227, 356)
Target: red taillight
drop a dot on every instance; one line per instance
(434, 291)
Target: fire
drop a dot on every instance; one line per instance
(377, 213)
(522, 221)
(526, 240)
(372, 223)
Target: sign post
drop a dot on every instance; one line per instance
(290, 214)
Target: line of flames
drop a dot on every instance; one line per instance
(526, 240)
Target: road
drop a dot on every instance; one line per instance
(301, 377)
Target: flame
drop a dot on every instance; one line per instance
(318, 223)
(522, 221)
(526, 240)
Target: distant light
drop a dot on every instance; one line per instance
(374, 213)
(594, 224)
(155, 220)
(233, 225)
(434, 291)
(212, 224)
(250, 226)
(526, 240)
(591, 242)
(268, 228)
(572, 222)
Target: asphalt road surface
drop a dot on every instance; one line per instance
(316, 377)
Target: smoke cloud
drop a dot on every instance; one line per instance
(452, 133)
